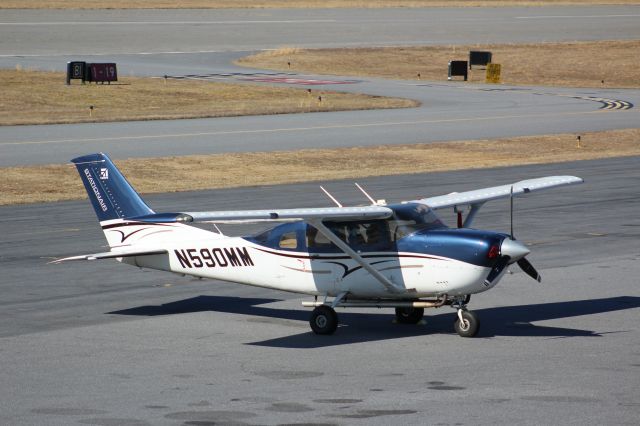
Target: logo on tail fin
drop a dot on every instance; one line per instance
(104, 174)
(94, 187)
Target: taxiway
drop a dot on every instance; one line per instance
(103, 343)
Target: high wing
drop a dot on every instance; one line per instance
(332, 213)
(475, 199)
(457, 199)
(113, 254)
(480, 196)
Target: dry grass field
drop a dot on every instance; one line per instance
(30, 97)
(264, 4)
(578, 64)
(61, 182)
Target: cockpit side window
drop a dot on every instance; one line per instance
(317, 240)
(402, 228)
(367, 236)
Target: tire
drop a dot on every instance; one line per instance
(409, 315)
(470, 325)
(324, 320)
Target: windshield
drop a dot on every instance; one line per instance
(412, 217)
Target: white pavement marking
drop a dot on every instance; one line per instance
(296, 129)
(93, 23)
(58, 55)
(576, 16)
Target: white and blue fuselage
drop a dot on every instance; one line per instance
(424, 259)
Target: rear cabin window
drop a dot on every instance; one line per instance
(288, 241)
(283, 237)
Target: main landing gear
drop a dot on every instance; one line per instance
(409, 315)
(324, 319)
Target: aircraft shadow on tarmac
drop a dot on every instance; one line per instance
(365, 327)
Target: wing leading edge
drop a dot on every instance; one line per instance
(335, 213)
(480, 196)
(472, 198)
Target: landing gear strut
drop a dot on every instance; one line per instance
(324, 320)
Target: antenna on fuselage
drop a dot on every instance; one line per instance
(365, 193)
(218, 229)
(373, 202)
(331, 196)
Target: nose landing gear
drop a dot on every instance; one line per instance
(467, 323)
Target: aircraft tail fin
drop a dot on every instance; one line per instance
(111, 195)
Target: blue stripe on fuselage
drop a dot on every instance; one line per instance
(466, 245)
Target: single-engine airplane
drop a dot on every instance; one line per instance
(399, 256)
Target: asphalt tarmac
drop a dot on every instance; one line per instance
(107, 344)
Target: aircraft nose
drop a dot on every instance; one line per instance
(514, 249)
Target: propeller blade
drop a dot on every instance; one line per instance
(528, 269)
(497, 269)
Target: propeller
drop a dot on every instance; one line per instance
(519, 251)
(513, 251)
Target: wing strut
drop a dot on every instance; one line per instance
(317, 223)
(475, 208)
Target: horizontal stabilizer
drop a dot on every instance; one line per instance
(112, 255)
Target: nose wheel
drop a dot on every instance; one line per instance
(467, 324)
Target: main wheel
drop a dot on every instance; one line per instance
(324, 320)
(469, 325)
(409, 315)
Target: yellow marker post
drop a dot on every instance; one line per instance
(493, 73)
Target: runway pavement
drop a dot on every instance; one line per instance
(85, 32)
(107, 344)
(205, 42)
